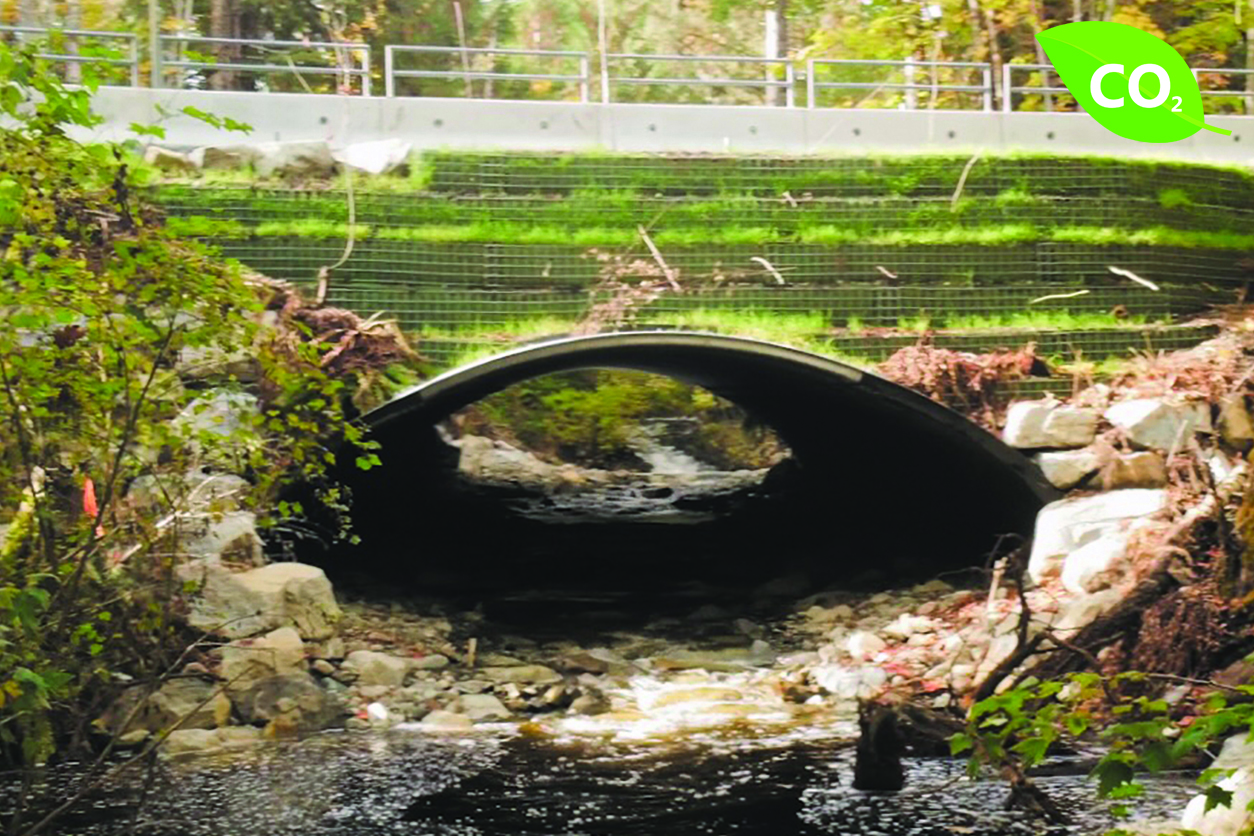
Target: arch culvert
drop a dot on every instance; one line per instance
(884, 486)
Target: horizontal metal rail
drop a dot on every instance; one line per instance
(131, 61)
(1008, 88)
(391, 73)
(361, 72)
(911, 87)
(788, 83)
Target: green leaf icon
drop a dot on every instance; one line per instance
(1131, 82)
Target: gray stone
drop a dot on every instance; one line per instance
(294, 700)
(1067, 468)
(248, 661)
(304, 157)
(186, 702)
(1098, 564)
(1068, 524)
(323, 667)
(430, 662)
(530, 674)
(1074, 614)
(241, 604)
(194, 493)
(1047, 423)
(482, 707)
(1159, 423)
(375, 668)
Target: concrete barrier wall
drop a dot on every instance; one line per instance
(560, 126)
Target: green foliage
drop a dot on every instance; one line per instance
(99, 304)
(1017, 729)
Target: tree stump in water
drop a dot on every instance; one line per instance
(878, 764)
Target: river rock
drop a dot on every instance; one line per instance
(864, 645)
(240, 604)
(429, 662)
(1160, 423)
(482, 707)
(306, 158)
(850, 683)
(598, 660)
(1067, 468)
(1067, 524)
(906, 625)
(292, 700)
(248, 661)
(204, 741)
(1100, 563)
(1048, 423)
(186, 702)
(445, 721)
(375, 668)
(529, 674)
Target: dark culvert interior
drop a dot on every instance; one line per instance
(880, 487)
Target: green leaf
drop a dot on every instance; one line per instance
(1217, 797)
(1111, 774)
(960, 743)
(1103, 57)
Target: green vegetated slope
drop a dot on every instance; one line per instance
(852, 254)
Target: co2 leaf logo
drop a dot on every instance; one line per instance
(1131, 82)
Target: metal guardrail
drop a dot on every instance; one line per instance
(352, 61)
(127, 39)
(1008, 88)
(343, 52)
(391, 73)
(908, 68)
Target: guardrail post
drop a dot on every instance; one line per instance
(912, 92)
(987, 72)
(154, 45)
(584, 82)
(389, 83)
(1007, 92)
(810, 84)
(790, 78)
(365, 69)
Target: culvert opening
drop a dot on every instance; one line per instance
(534, 485)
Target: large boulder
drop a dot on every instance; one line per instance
(293, 700)
(1160, 423)
(246, 662)
(1068, 524)
(206, 741)
(482, 707)
(1048, 423)
(241, 604)
(1099, 564)
(1143, 469)
(221, 538)
(223, 156)
(1067, 468)
(167, 160)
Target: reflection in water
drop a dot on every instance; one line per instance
(740, 782)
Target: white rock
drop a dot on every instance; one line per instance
(375, 668)
(230, 537)
(850, 683)
(1077, 613)
(1098, 564)
(167, 160)
(200, 741)
(1159, 423)
(1067, 468)
(1144, 469)
(377, 712)
(906, 625)
(223, 156)
(482, 707)
(1238, 754)
(445, 721)
(1047, 423)
(1066, 525)
(240, 604)
(864, 645)
(377, 157)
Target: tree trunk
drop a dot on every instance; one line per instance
(224, 22)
